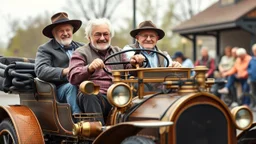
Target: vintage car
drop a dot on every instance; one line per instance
(155, 105)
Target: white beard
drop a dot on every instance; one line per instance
(100, 47)
(65, 42)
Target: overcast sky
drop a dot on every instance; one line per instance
(22, 9)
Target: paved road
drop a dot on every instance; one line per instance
(8, 99)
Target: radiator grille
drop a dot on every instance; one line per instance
(202, 124)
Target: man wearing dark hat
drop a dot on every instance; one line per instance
(52, 58)
(147, 35)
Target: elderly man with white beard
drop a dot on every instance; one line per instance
(87, 64)
(52, 58)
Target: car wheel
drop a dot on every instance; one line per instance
(137, 140)
(7, 132)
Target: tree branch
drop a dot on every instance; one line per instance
(84, 12)
(105, 5)
(112, 10)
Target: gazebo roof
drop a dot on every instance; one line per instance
(216, 17)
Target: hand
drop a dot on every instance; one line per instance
(96, 65)
(176, 64)
(206, 75)
(237, 76)
(224, 74)
(137, 59)
(65, 71)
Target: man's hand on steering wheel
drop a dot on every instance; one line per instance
(95, 65)
(137, 59)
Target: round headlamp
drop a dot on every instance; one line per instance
(119, 95)
(243, 117)
(88, 87)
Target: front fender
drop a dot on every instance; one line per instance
(248, 135)
(116, 134)
(25, 123)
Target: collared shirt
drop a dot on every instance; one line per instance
(152, 57)
(188, 64)
(68, 52)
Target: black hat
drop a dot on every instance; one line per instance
(61, 18)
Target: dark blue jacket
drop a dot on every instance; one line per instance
(252, 69)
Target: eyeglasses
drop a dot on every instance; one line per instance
(145, 36)
(99, 35)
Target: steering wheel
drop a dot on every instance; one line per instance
(137, 51)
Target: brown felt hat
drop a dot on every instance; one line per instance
(61, 18)
(147, 25)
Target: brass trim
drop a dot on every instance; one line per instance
(84, 84)
(194, 104)
(110, 98)
(234, 112)
(189, 100)
(154, 69)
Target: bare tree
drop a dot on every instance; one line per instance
(90, 9)
(13, 25)
(185, 9)
(150, 10)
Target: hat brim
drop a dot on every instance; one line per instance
(47, 31)
(160, 32)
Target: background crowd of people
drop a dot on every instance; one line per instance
(237, 67)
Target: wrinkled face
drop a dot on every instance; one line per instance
(204, 53)
(63, 34)
(178, 59)
(100, 37)
(147, 39)
(242, 56)
(228, 51)
(233, 51)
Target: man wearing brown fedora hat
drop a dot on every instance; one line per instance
(147, 35)
(87, 64)
(52, 58)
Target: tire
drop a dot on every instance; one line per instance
(7, 132)
(137, 140)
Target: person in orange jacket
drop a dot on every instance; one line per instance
(238, 72)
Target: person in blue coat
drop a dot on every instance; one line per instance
(252, 76)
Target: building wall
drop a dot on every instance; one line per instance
(209, 42)
(235, 38)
